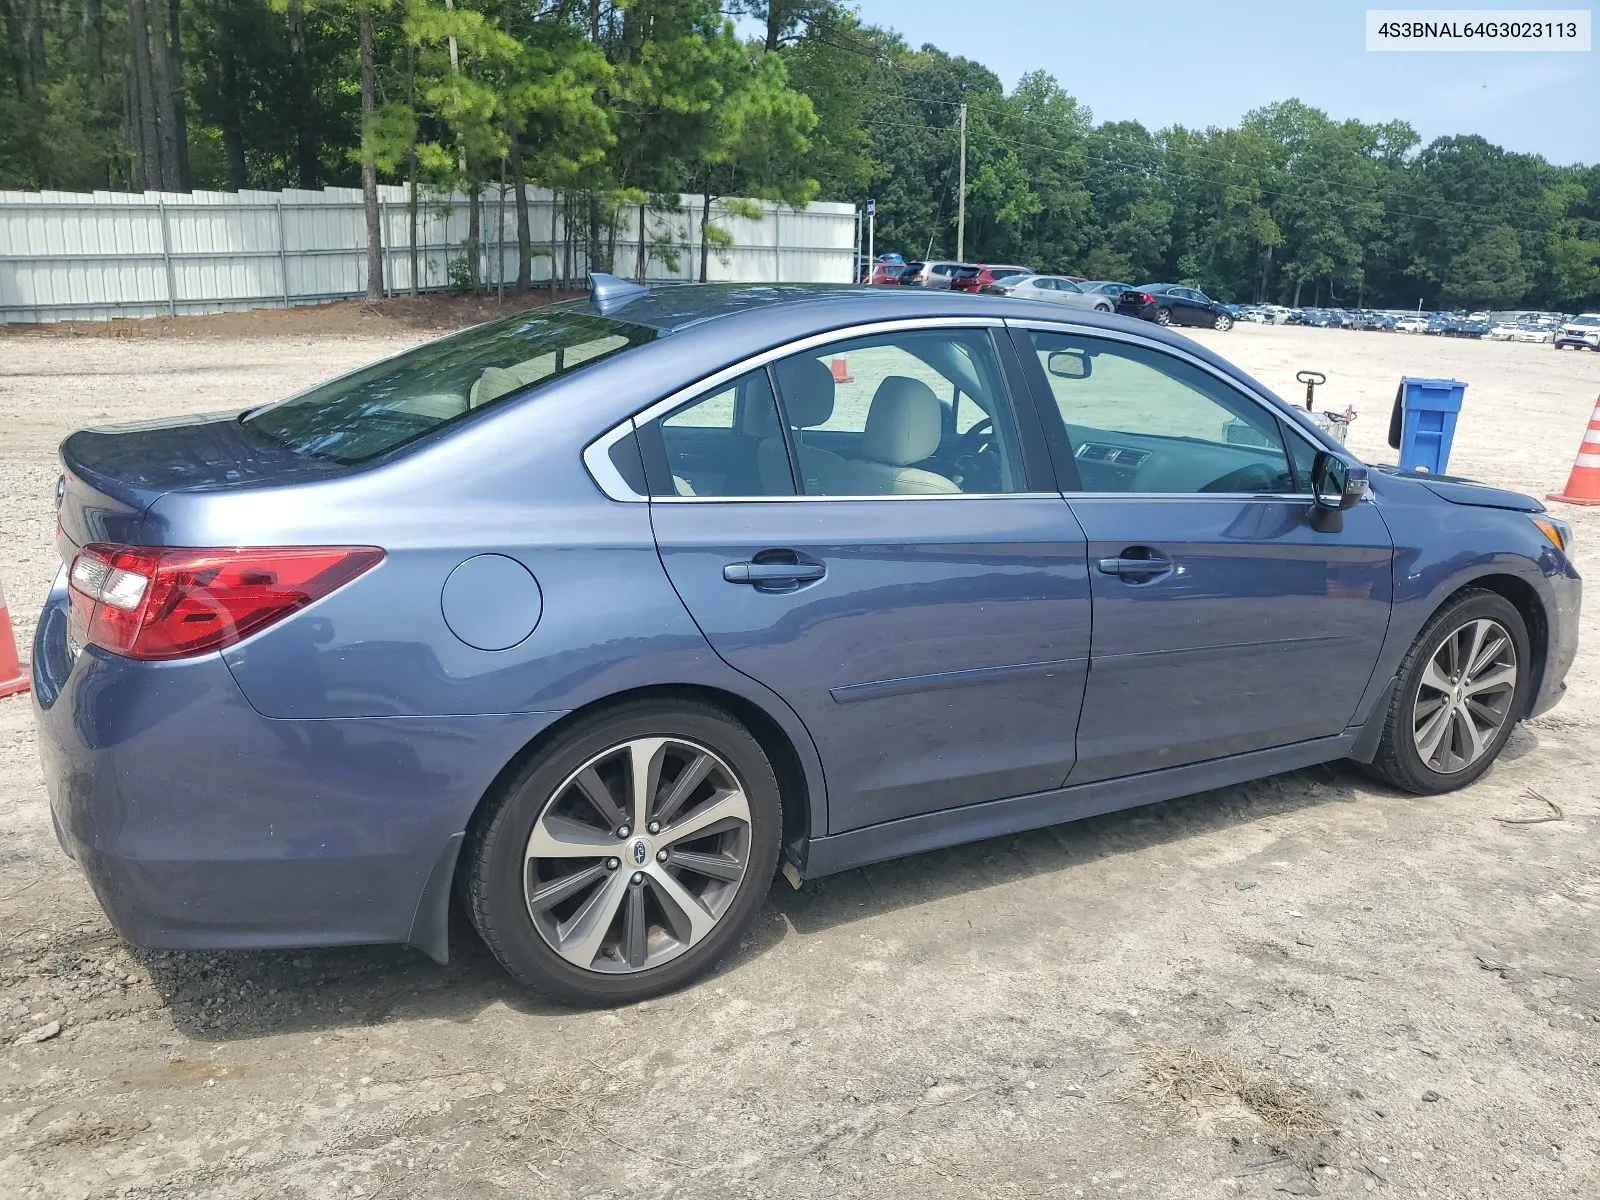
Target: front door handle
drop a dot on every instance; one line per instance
(1137, 564)
(788, 570)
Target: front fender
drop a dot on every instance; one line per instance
(1441, 548)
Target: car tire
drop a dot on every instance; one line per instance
(1222, 323)
(1410, 756)
(1163, 316)
(1102, 308)
(643, 886)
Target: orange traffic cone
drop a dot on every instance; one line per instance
(13, 674)
(841, 372)
(1583, 485)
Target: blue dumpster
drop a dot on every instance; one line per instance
(1423, 423)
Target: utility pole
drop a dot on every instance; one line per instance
(961, 202)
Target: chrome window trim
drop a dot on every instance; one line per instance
(946, 496)
(847, 333)
(596, 455)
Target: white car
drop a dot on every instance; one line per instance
(1583, 330)
(1054, 289)
(1411, 325)
(1534, 333)
(1502, 333)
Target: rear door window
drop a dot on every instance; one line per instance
(916, 412)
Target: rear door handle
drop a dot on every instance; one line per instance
(773, 572)
(1137, 564)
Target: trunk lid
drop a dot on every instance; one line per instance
(112, 475)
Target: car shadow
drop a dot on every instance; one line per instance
(976, 866)
(235, 995)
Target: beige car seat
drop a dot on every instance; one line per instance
(807, 387)
(903, 427)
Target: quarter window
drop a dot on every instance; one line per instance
(921, 412)
(1139, 420)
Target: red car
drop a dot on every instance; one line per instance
(973, 279)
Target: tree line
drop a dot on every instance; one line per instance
(621, 107)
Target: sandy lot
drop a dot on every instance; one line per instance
(1307, 985)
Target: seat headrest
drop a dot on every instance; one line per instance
(807, 387)
(903, 424)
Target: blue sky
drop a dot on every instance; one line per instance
(1201, 64)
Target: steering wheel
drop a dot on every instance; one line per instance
(1257, 477)
(977, 450)
(977, 440)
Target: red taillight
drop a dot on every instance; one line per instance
(1144, 297)
(158, 602)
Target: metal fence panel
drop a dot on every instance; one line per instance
(77, 256)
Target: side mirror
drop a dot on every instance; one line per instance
(1069, 364)
(1335, 486)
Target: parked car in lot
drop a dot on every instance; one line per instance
(1371, 322)
(929, 274)
(591, 619)
(976, 279)
(1053, 289)
(1583, 330)
(1466, 327)
(1536, 332)
(1416, 324)
(865, 270)
(887, 273)
(1174, 304)
(1105, 287)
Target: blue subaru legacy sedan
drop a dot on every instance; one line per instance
(592, 619)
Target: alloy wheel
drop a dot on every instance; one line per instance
(1223, 322)
(1465, 697)
(1163, 316)
(637, 855)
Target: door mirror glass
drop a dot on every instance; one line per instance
(1070, 364)
(1335, 484)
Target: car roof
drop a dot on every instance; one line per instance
(722, 322)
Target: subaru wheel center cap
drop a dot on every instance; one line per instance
(639, 851)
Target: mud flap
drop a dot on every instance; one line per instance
(430, 924)
(1366, 744)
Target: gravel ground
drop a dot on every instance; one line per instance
(1305, 985)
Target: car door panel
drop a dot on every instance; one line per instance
(1264, 632)
(938, 661)
(934, 641)
(1223, 623)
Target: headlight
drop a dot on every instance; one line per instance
(1558, 532)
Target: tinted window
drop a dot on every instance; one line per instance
(1139, 420)
(913, 413)
(392, 402)
(727, 443)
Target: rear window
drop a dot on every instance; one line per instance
(378, 408)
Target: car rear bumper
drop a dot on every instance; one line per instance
(202, 824)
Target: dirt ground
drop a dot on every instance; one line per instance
(1306, 985)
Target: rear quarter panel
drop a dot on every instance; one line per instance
(511, 483)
